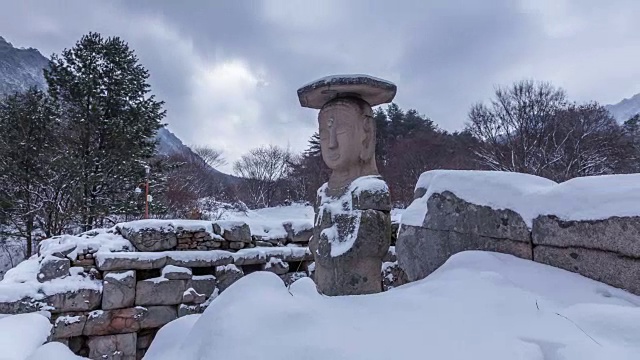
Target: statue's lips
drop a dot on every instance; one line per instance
(333, 157)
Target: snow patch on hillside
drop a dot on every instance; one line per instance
(625, 109)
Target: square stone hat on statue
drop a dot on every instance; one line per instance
(352, 229)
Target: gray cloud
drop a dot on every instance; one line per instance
(228, 70)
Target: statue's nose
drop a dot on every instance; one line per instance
(333, 140)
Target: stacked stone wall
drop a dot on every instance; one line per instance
(176, 271)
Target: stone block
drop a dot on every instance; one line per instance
(447, 212)
(300, 236)
(191, 309)
(149, 239)
(157, 316)
(68, 325)
(196, 259)
(130, 261)
(52, 267)
(119, 290)
(392, 276)
(421, 251)
(233, 231)
(236, 245)
(608, 267)
(113, 347)
(276, 266)
(145, 338)
(261, 243)
(453, 225)
(191, 296)
(160, 291)
(119, 321)
(172, 272)
(22, 306)
(619, 235)
(203, 284)
(80, 300)
(227, 275)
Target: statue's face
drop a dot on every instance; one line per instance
(341, 134)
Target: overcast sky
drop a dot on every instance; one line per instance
(229, 70)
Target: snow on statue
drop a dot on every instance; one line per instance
(352, 230)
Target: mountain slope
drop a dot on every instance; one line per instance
(20, 68)
(625, 109)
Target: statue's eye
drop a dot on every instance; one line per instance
(330, 122)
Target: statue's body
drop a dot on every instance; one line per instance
(352, 229)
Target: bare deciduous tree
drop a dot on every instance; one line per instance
(263, 169)
(531, 128)
(514, 127)
(210, 155)
(587, 141)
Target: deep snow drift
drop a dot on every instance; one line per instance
(479, 305)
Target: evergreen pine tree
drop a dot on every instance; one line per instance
(110, 120)
(27, 124)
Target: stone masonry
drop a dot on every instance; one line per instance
(143, 290)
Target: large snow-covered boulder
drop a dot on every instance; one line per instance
(589, 225)
(452, 225)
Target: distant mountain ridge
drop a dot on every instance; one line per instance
(21, 69)
(625, 109)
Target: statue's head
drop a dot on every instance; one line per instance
(348, 136)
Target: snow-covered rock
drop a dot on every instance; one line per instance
(584, 198)
(589, 225)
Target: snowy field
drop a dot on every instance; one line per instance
(11, 254)
(479, 305)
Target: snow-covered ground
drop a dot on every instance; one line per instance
(267, 222)
(479, 305)
(11, 254)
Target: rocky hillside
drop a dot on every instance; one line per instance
(20, 68)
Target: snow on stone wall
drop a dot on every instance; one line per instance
(112, 289)
(587, 225)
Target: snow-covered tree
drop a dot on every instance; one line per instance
(110, 120)
(531, 128)
(28, 125)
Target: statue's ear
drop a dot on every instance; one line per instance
(368, 139)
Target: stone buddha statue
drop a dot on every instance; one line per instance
(352, 230)
(347, 140)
